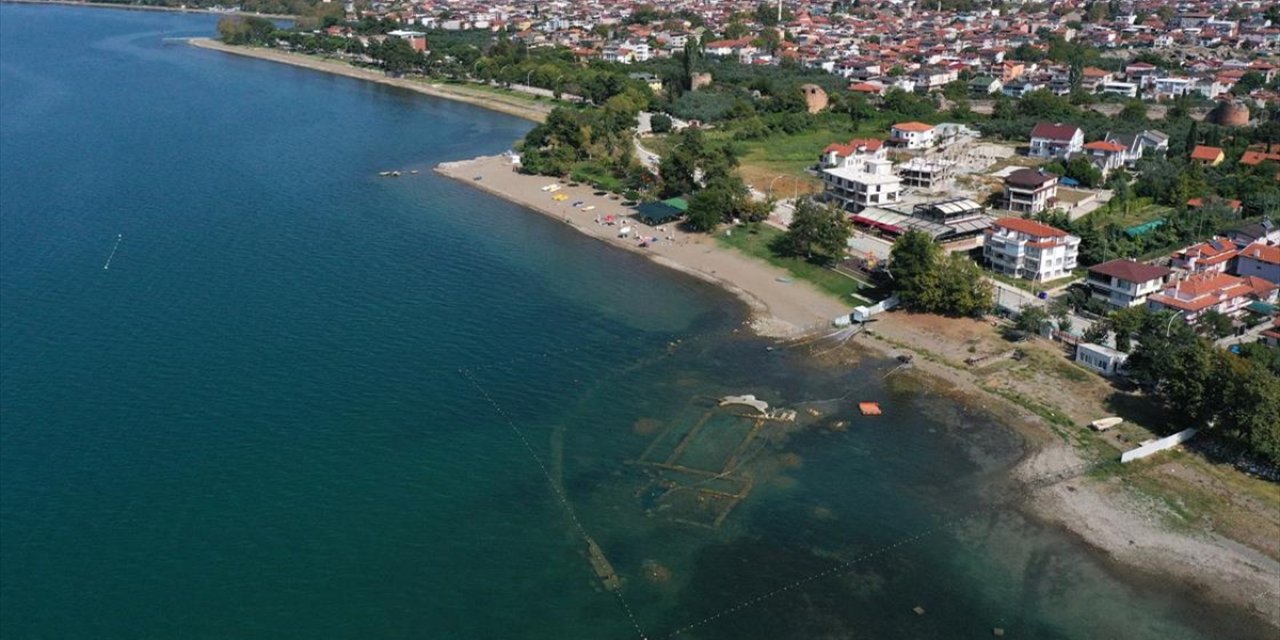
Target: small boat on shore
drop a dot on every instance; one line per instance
(1102, 424)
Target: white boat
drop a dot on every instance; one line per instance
(1102, 424)
(589, 208)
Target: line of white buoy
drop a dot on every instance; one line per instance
(113, 251)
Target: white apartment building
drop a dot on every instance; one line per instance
(911, 135)
(1031, 250)
(1056, 140)
(1126, 283)
(868, 183)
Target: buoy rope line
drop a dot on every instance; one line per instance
(555, 489)
(1027, 487)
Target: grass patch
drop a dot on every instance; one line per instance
(1128, 214)
(758, 243)
(1036, 287)
(1013, 161)
(922, 352)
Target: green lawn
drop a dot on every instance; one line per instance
(757, 244)
(1132, 213)
(763, 160)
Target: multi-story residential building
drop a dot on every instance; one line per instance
(1030, 191)
(1198, 294)
(1028, 249)
(1259, 260)
(868, 183)
(911, 135)
(1137, 144)
(1056, 140)
(1127, 89)
(1212, 256)
(858, 149)
(1106, 156)
(1125, 283)
(1173, 87)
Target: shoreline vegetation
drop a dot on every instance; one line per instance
(1106, 509)
(146, 7)
(493, 100)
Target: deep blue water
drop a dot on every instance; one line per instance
(307, 402)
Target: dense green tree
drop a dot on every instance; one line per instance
(965, 291)
(1134, 111)
(1030, 318)
(913, 267)
(1216, 324)
(246, 30)
(1248, 83)
(660, 123)
(817, 232)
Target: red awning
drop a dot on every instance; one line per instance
(883, 226)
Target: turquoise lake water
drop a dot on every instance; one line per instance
(307, 402)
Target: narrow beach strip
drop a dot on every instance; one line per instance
(492, 100)
(778, 309)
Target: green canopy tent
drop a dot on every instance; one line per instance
(656, 213)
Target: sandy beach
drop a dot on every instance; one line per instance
(492, 100)
(780, 306)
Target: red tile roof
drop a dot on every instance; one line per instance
(1130, 270)
(1030, 227)
(1054, 131)
(913, 126)
(1262, 253)
(1254, 158)
(1209, 253)
(1208, 154)
(870, 144)
(1202, 291)
(1196, 203)
(1103, 145)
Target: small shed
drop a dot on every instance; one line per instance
(655, 213)
(1104, 360)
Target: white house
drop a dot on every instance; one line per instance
(911, 135)
(1056, 140)
(1028, 249)
(858, 150)
(868, 183)
(1126, 283)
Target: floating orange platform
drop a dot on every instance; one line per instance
(869, 408)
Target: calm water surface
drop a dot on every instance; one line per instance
(307, 402)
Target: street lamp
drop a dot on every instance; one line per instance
(1169, 325)
(528, 77)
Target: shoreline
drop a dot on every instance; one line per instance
(1111, 521)
(1114, 523)
(531, 110)
(142, 7)
(780, 307)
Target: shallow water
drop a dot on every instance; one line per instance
(305, 401)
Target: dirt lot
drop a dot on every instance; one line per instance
(1193, 493)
